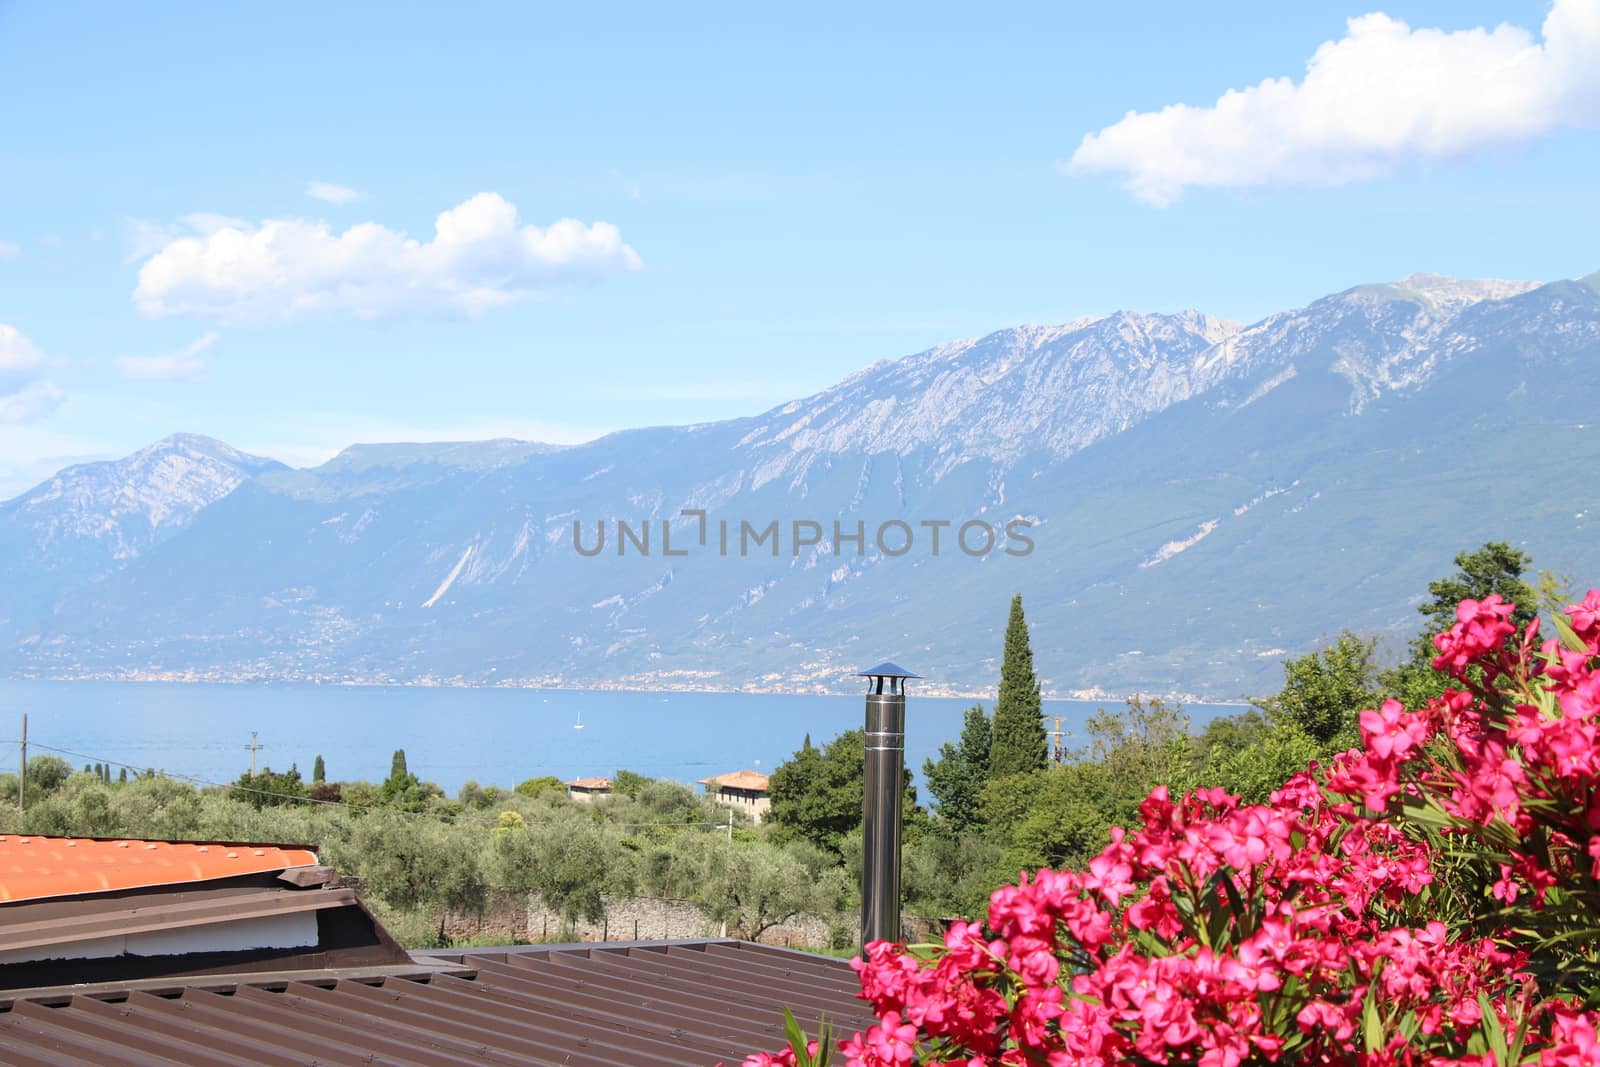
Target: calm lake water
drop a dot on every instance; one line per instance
(494, 736)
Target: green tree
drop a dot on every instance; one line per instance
(533, 787)
(319, 770)
(267, 789)
(1255, 771)
(572, 866)
(1020, 744)
(817, 794)
(628, 784)
(1223, 736)
(1144, 745)
(412, 863)
(473, 795)
(956, 778)
(1554, 591)
(947, 875)
(46, 774)
(402, 789)
(755, 887)
(1495, 568)
(1324, 691)
(1058, 817)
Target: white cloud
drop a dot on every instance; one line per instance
(30, 402)
(1377, 98)
(479, 259)
(10, 250)
(17, 353)
(145, 238)
(24, 396)
(331, 193)
(182, 365)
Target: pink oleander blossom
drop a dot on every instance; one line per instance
(1216, 933)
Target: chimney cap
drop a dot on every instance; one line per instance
(886, 670)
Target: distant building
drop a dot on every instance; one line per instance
(584, 790)
(744, 791)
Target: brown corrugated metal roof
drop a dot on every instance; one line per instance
(577, 1005)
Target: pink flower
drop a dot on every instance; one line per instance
(1481, 626)
(1585, 617)
(1217, 933)
(891, 1042)
(1391, 732)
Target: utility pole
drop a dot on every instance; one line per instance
(1058, 752)
(252, 746)
(22, 779)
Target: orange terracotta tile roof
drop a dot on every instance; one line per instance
(589, 783)
(739, 780)
(32, 867)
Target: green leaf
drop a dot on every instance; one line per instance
(1371, 1023)
(791, 1029)
(1569, 637)
(1493, 1030)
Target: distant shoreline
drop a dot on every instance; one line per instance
(1082, 696)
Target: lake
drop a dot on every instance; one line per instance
(494, 736)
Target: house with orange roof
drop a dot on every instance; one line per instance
(76, 909)
(744, 791)
(587, 790)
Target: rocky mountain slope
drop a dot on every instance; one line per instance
(91, 519)
(1200, 497)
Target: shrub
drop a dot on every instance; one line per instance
(1431, 897)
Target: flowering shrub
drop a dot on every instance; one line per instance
(1430, 898)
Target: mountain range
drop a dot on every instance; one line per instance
(1192, 499)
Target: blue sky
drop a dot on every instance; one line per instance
(765, 199)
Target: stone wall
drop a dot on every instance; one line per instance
(626, 919)
(510, 918)
(504, 920)
(655, 919)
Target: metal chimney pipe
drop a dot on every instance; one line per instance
(881, 799)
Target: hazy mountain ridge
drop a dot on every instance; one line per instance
(1204, 496)
(117, 508)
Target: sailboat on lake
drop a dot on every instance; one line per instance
(579, 724)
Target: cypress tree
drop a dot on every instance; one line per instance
(397, 766)
(319, 773)
(122, 775)
(1019, 743)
